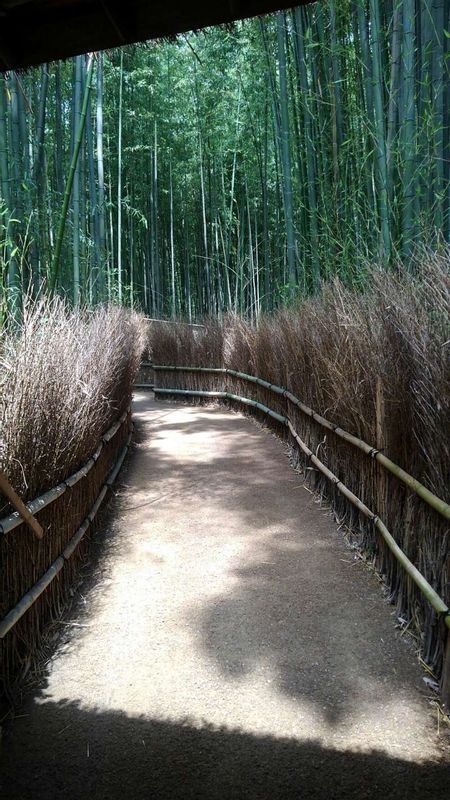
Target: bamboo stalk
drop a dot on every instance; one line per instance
(96, 455)
(224, 396)
(7, 490)
(260, 381)
(193, 392)
(75, 540)
(14, 520)
(120, 461)
(69, 185)
(416, 486)
(174, 322)
(30, 597)
(433, 598)
(112, 431)
(13, 616)
(259, 406)
(445, 677)
(97, 503)
(81, 473)
(166, 368)
(431, 595)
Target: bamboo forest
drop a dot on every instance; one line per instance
(231, 169)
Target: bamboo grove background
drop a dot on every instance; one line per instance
(231, 169)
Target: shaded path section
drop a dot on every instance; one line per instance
(227, 644)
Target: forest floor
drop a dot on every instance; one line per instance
(226, 643)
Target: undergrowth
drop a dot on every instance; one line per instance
(332, 351)
(65, 377)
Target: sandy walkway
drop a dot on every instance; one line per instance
(228, 645)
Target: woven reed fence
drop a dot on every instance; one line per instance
(36, 574)
(385, 509)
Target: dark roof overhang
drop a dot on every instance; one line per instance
(37, 31)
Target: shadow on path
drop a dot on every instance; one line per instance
(109, 755)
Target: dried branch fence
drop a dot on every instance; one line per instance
(384, 507)
(36, 574)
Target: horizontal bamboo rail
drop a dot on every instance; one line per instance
(427, 590)
(225, 396)
(433, 501)
(13, 616)
(30, 597)
(7, 524)
(174, 322)
(436, 602)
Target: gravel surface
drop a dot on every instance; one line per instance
(227, 643)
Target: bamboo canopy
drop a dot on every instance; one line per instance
(33, 32)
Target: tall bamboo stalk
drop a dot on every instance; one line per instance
(119, 186)
(76, 199)
(380, 131)
(408, 129)
(69, 184)
(286, 155)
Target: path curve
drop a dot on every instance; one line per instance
(228, 643)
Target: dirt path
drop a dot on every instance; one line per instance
(229, 645)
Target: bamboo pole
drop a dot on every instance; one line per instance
(81, 473)
(112, 431)
(8, 524)
(75, 540)
(380, 475)
(166, 368)
(431, 595)
(69, 185)
(7, 490)
(193, 392)
(15, 614)
(425, 494)
(119, 461)
(174, 322)
(30, 597)
(259, 406)
(445, 677)
(14, 520)
(224, 396)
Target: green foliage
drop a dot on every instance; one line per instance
(10, 259)
(232, 178)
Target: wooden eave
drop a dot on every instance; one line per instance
(33, 32)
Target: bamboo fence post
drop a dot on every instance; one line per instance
(286, 386)
(19, 505)
(380, 444)
(445, 677)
